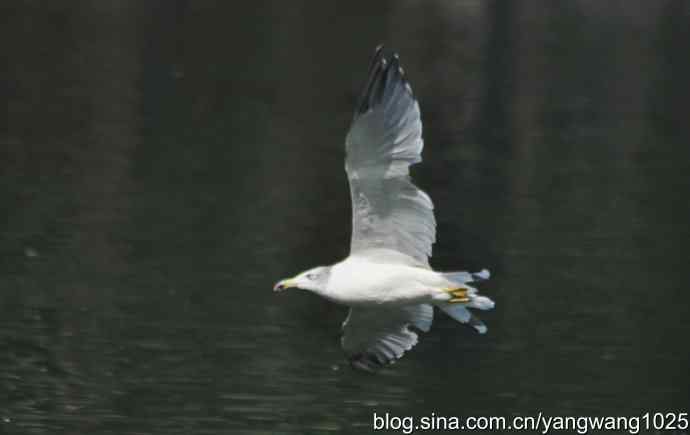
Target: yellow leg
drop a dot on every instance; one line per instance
(458, 295)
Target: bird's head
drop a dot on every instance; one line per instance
(313, 279)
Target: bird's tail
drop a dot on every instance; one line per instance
(462, 296)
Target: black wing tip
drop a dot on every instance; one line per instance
(368, 362)
(384, 72)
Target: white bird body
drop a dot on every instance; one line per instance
(387, 281)
(359, 281)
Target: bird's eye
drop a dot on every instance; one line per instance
(311, 276)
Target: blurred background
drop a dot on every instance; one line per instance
(163, 163)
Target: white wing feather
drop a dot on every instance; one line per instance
(388, 211)
(376, 336)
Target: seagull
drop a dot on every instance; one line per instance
(387, 281)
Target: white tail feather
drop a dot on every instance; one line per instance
(481, 302)
(459, 311)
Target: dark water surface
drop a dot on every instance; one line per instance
(164, 163)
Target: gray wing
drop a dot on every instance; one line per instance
(376, 336)
(388, 211)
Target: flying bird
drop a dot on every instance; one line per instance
(386, 280)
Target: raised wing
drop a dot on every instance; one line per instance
(388, 210)
(376, 336)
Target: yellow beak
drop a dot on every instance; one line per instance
(284, 284)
